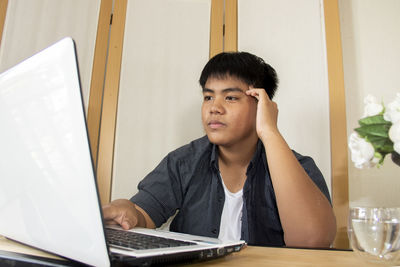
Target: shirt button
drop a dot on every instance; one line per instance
(214, 231)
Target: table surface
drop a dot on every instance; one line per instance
(249, 256)
(269, 256)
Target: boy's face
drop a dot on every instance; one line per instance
(228, 114)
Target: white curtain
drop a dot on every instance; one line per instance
(290, 35)
(166, 45)
(31, 26)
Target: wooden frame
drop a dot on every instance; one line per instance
(223, 30)
(3, 12)
(337, 103)
(217, 27)
(110, 102)
(97, 81)
(231, 26)
(106, 119)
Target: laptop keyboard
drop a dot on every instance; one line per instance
(131, 240)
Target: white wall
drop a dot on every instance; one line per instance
(31, 26)
(371, 57)
(165, 48)
(290, 35)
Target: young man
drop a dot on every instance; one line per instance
(241, 180)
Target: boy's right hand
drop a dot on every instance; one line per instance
(124, 213)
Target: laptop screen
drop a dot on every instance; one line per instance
(48, 196)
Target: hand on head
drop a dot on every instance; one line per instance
(267, 112)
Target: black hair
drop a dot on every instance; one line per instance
(243, 66)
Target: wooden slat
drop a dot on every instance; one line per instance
(3, 12)
(97, 81)
(216, 27)
(340, 190)
(110, 102)
(231, 26)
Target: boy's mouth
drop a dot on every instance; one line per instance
(215, 124)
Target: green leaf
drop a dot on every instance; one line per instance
(387, 147)
(373, 130)
(377, 119)
(378, 144)
(376, 139)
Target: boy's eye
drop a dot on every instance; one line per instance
(231, 98)
(207, 98)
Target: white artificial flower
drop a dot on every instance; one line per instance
(394, 135)
(396, 147)
(372, 107)
(362, 152)
(392, 111)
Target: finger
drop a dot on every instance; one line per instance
(251, 88)
(110, 222)
(128, 222)
(122, 220)
(252, 92)
(126, 225)
(109, 212)
(259, 93)
(113, 216)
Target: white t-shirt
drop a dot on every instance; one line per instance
(231, 218)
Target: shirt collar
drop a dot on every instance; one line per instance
(214, 157)
(253, 162)
(256, 157)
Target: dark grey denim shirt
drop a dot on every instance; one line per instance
(188, 180)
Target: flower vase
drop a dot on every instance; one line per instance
(396, 158)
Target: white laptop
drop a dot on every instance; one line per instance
(48, 193)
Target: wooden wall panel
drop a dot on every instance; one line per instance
(98, 76)
(337, 103)
(110, 102)
(3, 11)
(231, 26)
(216, 27)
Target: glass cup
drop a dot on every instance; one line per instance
(374, 233)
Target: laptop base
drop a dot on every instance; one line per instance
(176, 258)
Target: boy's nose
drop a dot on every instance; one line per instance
(217, 107)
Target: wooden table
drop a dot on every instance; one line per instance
(279, 257)
(249, 256)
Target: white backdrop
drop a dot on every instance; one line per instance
(31, 26)
(165, 48)
(290, 35)
(371, 58)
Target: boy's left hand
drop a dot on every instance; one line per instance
(267, 113)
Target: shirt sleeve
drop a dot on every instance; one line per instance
(315, 174)
(160, 192)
